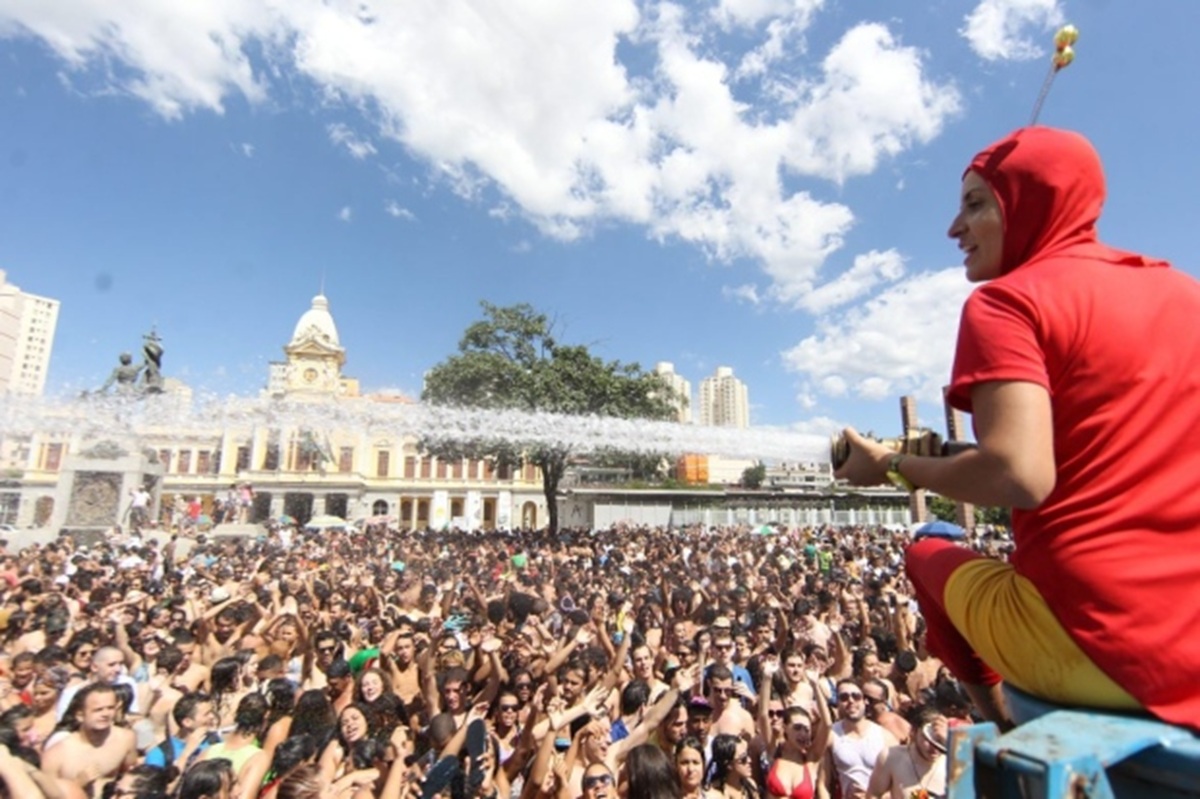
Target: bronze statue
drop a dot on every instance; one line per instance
(125, 376)
(152, 380)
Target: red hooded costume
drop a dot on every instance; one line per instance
(1115, 339)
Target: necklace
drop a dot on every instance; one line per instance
(922, 789)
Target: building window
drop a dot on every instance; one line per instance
(185, 461)
(426, 466)
(164, 457)
(243, 459)
(410, 467)
(472, 470)
(53, 458)
(441, 469)
(489, 472)
(456, 470)
(530, 473)
(382, 462)
(203, 462)
(346, 460)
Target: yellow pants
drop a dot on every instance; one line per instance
(1008, 624)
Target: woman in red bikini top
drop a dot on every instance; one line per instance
(795, 773)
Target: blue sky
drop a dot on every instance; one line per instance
(763, 184)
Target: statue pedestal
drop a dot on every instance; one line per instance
(95, 490)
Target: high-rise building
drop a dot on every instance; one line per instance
(682, 388)
(27, 324)
(724, 400)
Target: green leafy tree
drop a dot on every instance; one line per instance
(754, 476)
(511, 360)
(941, 508)
(997, 517)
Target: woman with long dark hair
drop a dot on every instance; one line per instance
(650, 774)
(732, 771)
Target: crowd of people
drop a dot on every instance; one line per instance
(699, 663)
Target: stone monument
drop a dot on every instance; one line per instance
(98, 487)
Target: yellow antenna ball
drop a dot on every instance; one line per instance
(1064, 57)
(1066, 36)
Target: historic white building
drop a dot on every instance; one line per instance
(300, 472)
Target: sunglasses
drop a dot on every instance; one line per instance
(722, 691)
(325, 650)
(597, 781)
(723, 646)
(509, 708)
(776, 714)
(742, 758)
(523, 686)
(849, 697)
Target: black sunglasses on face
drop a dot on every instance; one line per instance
(596, 781)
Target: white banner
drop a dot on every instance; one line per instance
(504, 511)
(474, 511)
(440, 510)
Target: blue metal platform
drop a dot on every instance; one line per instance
(1062, 753)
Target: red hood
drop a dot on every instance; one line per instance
(1050, 186)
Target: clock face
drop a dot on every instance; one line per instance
(310, 374)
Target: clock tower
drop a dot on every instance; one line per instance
(314, 355)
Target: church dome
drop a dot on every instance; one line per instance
(317, 323)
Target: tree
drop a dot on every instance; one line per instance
(510, 360)
(942, 508)
(754, 476)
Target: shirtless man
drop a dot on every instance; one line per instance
(919, 765)
(643, 669)
(97, 750)
(729, 717)
(406, 672)
(879, 710)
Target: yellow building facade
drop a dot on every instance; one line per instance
(295, 472)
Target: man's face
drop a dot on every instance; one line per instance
(405, 649)
(676, 725)
(698, 725)
(723, 650)
(189, 652)
(225, 627)
(98, 712)
(793, 669)
(643, 663)
(203, 717)
(572, 686)
(452, 694)
(338, 685)
(720, 692)
(22, 674)
(874, 700)
(326, 649)
(106, 666)
(850, 702)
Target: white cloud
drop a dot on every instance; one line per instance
(1003, 30)
(398, 211)
(869, 270)
(246, 149)
(341, 135)
(747, 292)
(346, 214)
(899, 342)
(544, 114)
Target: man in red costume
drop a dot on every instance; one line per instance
(1079, 365)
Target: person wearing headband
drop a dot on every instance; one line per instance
(1078, 364)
